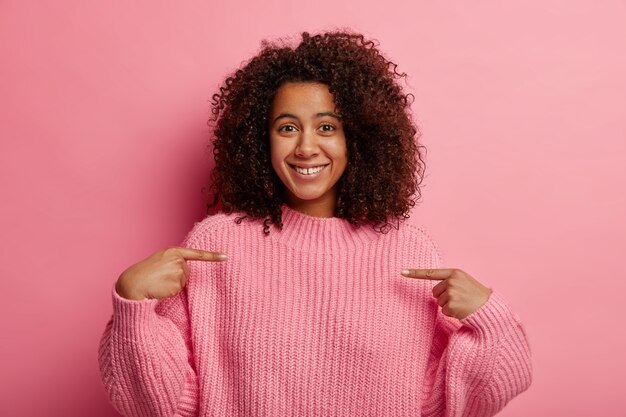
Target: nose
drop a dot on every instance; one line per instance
(307, 145)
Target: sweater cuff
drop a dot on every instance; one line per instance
(494, 320)
(130, 317)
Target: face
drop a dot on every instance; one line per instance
(308, 146)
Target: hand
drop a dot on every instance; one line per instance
(458, 294)
(161, 275)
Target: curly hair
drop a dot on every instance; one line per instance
(385, 162)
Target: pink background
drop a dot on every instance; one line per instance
(522, 107)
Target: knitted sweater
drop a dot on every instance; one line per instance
(312, 320)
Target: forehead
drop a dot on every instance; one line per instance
(304, 98)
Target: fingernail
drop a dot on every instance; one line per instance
(405, 272)
(222, 256)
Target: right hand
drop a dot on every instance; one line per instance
(161, 275)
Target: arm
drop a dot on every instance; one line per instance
(476, 364)
(145, 357)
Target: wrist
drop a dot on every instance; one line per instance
(123, 290)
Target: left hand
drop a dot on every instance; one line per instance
(458, 294)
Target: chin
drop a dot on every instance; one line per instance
(308, 196)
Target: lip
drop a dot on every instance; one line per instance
(307, 177)
(306, 166)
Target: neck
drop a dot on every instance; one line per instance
(322, 207)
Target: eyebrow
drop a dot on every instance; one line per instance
(322, 114)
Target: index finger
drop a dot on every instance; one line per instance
(432, 274)
(192, 254)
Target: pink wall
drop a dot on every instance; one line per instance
(102, 127)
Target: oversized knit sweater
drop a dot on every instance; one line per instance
(311, 320)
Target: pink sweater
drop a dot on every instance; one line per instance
(313, 320)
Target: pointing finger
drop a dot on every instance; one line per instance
(436, 274)
(201, 255)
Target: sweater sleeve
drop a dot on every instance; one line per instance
(477, 364)
(145, 358)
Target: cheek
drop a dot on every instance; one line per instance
(340, 153)
(277, 156)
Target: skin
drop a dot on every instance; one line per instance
(458, 293)
(306, 131)
(162, 274)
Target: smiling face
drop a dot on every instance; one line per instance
(308, 146)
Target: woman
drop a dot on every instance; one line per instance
(307, 294)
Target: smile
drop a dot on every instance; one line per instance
(308, 171)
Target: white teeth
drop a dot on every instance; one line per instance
(309, 171)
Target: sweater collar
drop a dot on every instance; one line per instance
(321, 234)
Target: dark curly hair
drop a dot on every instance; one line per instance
(385, 162)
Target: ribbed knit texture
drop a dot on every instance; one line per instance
(313, 320)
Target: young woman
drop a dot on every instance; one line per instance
(307, 294)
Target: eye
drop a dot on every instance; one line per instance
(327, 127)
(287, 128)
